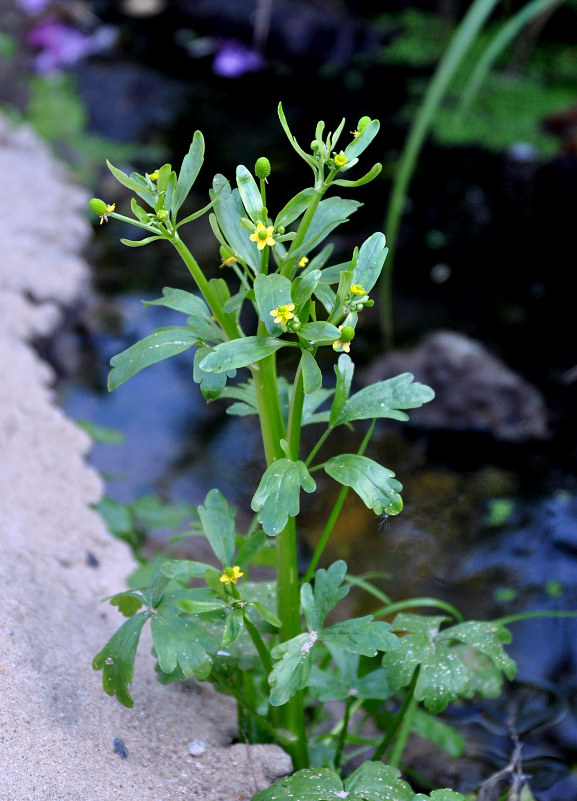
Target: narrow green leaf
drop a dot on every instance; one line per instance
(138, 211)
(312, 375)
(344, 370)
(367, 177)
(271, 291)
(294, 208)
(251, 545)
(239, 353)
(386, 399)
(192, 607)
(228, 210)
(329, 214)
(116, 660)
(363, 140)
(189, 170)
(372, 255)
(129, 183)
(139, 243)
(438, 732)
(199, 317)
(183, 569)
(249, 194)
(303, 288)
(233, 627)
(158, 346)
(218, 523)
(277, 496)
(373, 483)
(266, 614)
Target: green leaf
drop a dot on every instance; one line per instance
(373, 781)
(370, 261)
(386, 399)
(329, 214)
(218, 523)
(319, 333)
(363, 140)
(438, 732)
(294, 208)
(181, 642)
(328, 591)
(374, 484)
(312, 375)
(128, 603)
(160, 345)
(326, 296)
(277, 496)
(251, 545)
(192, 607)
(183, 569)
(442, 675)
(211, 384)
(291, 672)
(239, 353)
(116, 660)
(199, 317)
(233, 627)
(104, 435)
(229, 209)
(486, 636)
(130, 183)
(139, 212)
(140, 243)
(249, 194)
(344, 370)
(189, 170)
(266, 614)
(329, 686)
(271, 291)
(366, 178)
(440, 795)
(303, 288)
(362, 635)
(292, 140)
(485, 679)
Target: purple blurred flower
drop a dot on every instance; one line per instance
(32, 6)
(60, 45)
(234, 58)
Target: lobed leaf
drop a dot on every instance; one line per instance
(116, 660)
(386, 399)
(211, 384)
(328, 591)
(277, 496)
(180, 642)
(290, 674)
(362, 635)
(373, 483)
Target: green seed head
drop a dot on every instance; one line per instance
(262, 167)
(97, 206)
(347, 333)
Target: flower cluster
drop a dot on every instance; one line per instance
(356, 299)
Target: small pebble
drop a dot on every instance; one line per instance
(196, 748)
(120, 748)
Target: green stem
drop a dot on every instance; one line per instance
(295, 415)
(419, 603)
(406, 711)
(258, 643)
(226, 321)
(321, 441)
(343, 732)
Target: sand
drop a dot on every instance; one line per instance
(57, 561)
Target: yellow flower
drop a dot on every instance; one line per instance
(357, 289)
(344, 344)
(109, 207)
(154, 175)
(263, 236)
(283, 314)
(340, 159)
(231, 575)
(303, 262)
(355, 133)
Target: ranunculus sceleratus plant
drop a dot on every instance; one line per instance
(268, 644)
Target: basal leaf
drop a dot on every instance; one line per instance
(239, 353)
(373, 483)
(217, 521)
(385, 399)
(277, 496)
(189, 170)
(158, 346)
(181, 642)
(116, 660)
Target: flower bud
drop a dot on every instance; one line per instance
(280, 230)
(97, 206)
(262, 167)
(347, 333)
